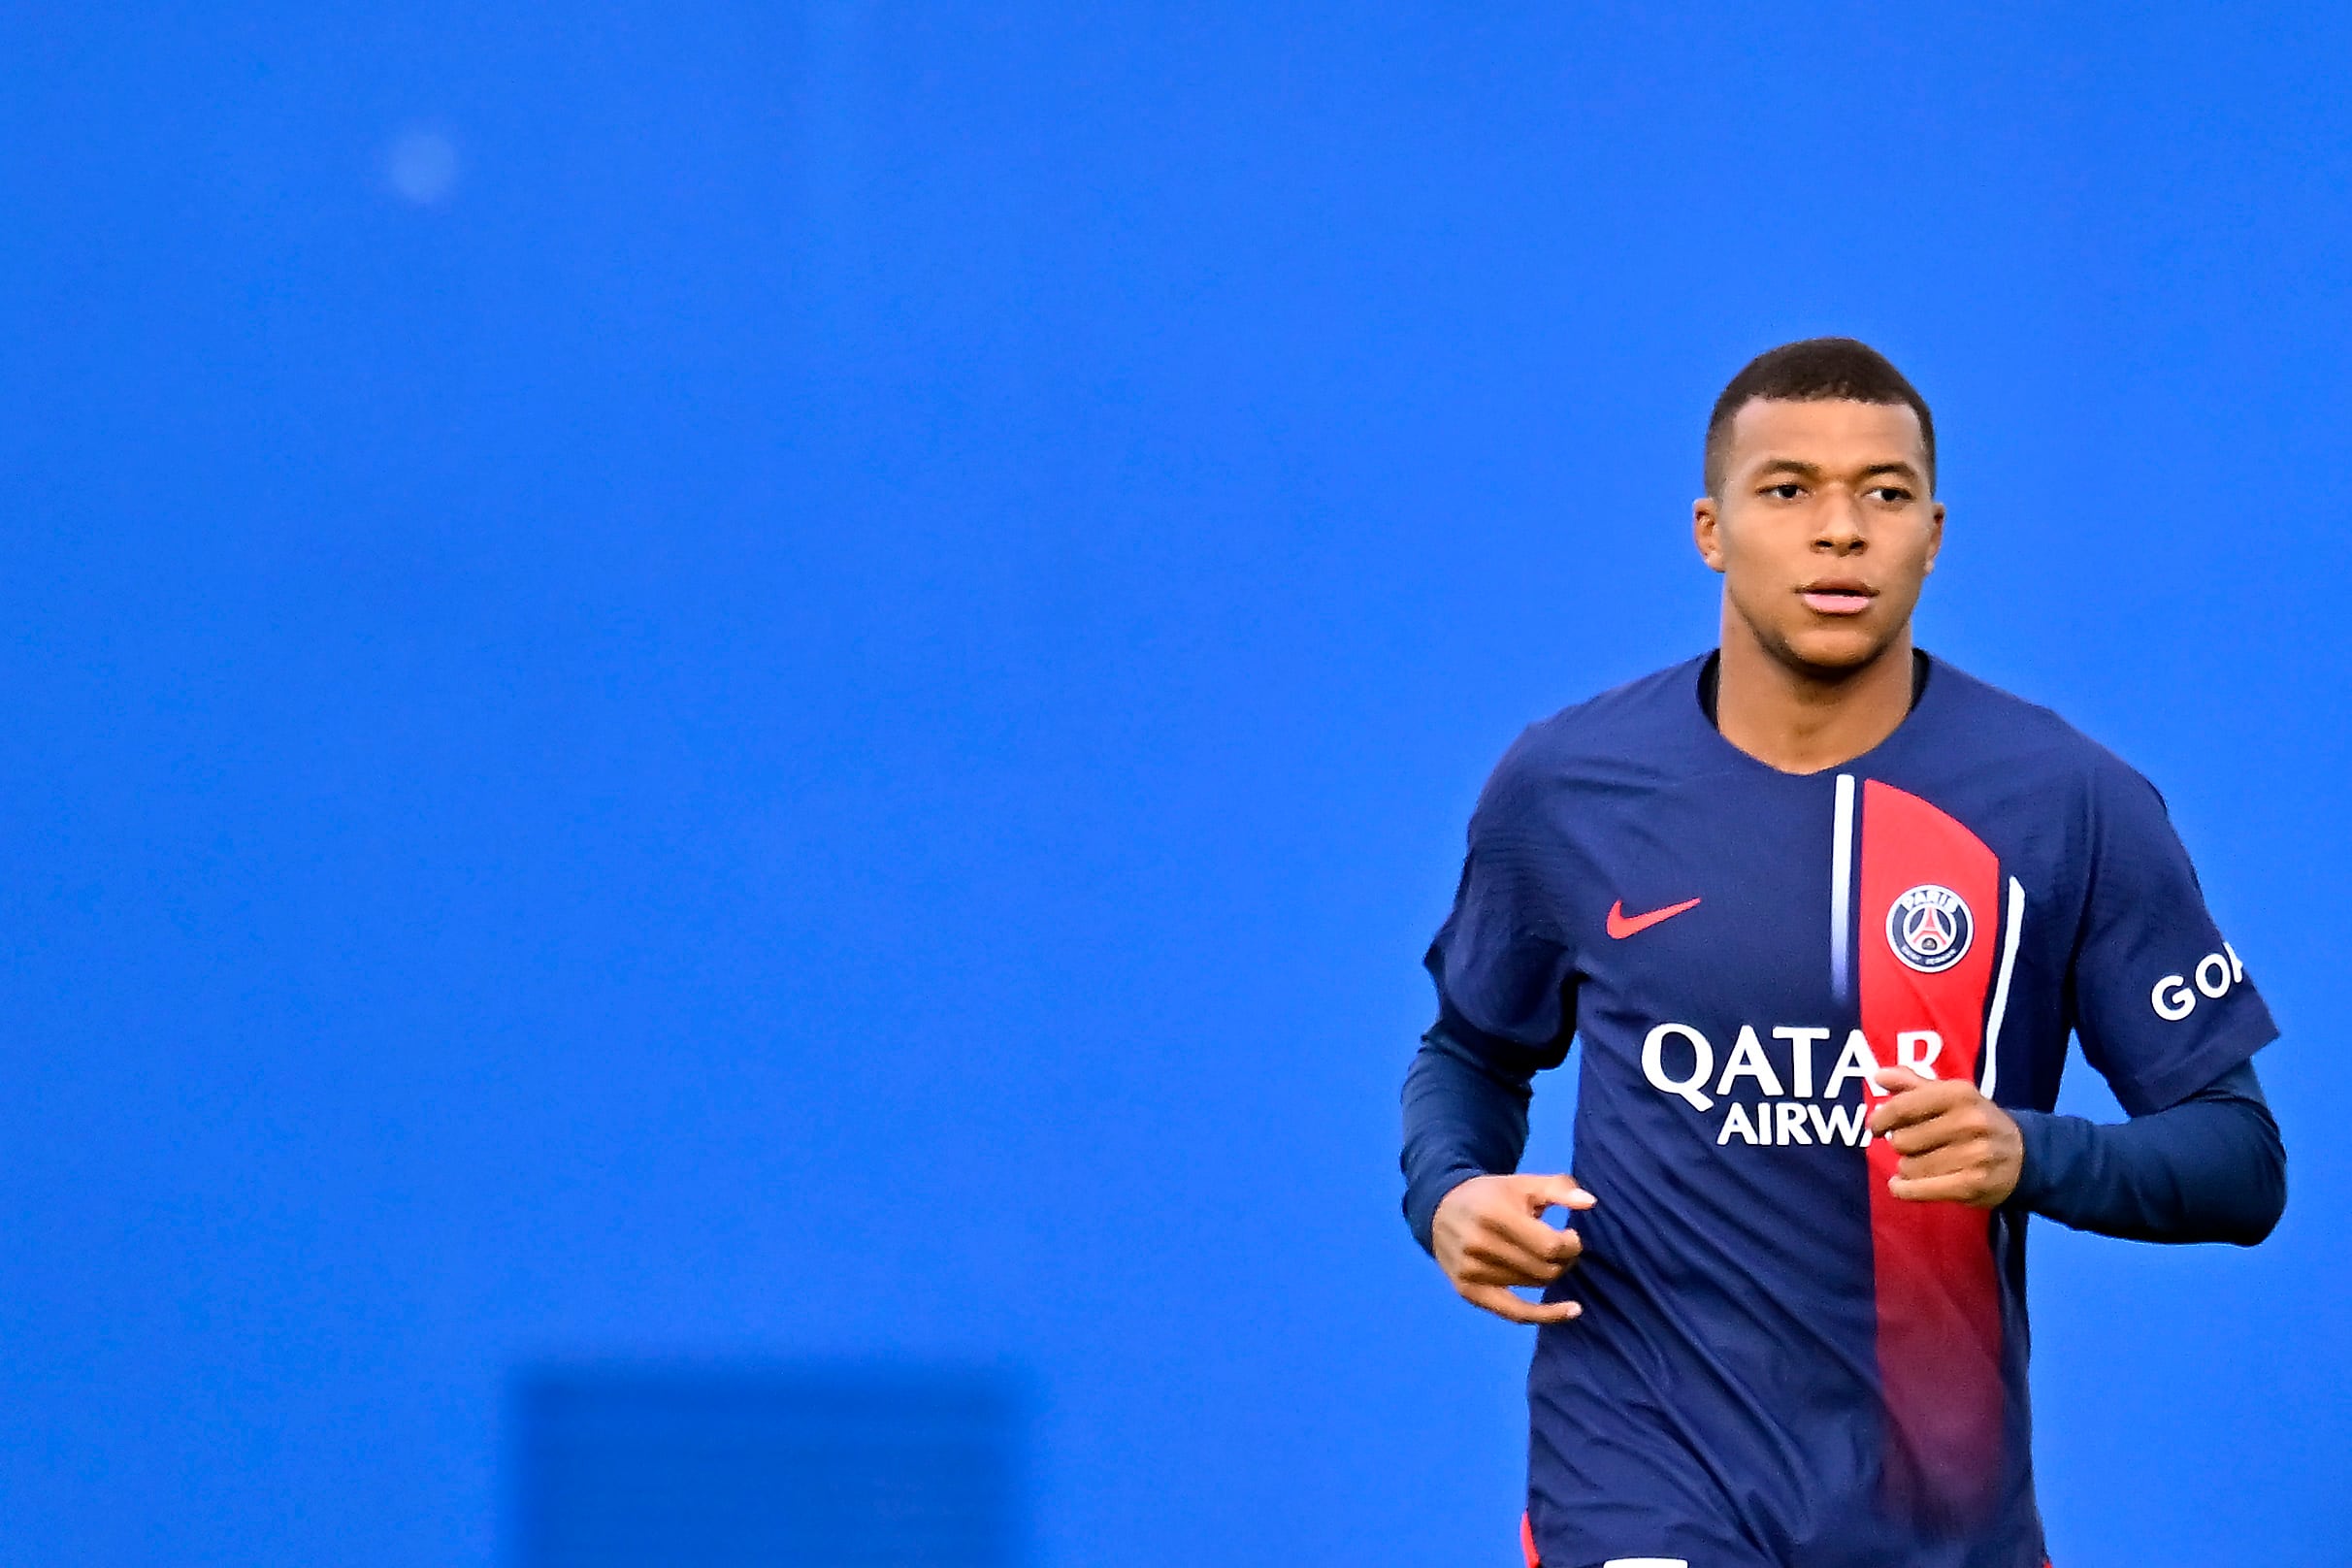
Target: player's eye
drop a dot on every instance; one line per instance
(1893, 495)
(1788, 490)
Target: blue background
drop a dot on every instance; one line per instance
(801, 679)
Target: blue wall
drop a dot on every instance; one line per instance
(801, 679)
(748, 1466)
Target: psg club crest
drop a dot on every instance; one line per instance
(1930, 928)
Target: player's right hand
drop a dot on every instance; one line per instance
(1490, 1236)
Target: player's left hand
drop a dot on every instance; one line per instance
(1957, 1146)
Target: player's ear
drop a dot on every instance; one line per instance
(1934, 533)
(1707, 531)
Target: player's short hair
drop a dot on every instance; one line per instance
(1813, 371)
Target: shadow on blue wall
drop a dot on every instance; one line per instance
(659, 1465)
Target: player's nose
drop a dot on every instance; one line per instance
(1839, 524)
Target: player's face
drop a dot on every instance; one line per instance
(1825, 531)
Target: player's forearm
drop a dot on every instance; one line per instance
(2210, 1169)
(1465, 1117)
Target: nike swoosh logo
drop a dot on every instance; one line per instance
(1621, 924)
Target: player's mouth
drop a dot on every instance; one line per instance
(1837, 596)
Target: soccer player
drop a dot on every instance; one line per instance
(1824, 912)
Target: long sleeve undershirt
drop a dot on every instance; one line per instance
(2208, 1168)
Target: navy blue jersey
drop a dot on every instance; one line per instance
(1779, 1361)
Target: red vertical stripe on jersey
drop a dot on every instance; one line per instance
(1937, 1297)
(1527, 1542)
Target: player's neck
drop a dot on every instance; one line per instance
(1798, 720)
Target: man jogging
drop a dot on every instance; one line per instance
(1824, 912)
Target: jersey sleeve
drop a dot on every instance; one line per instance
(2163, 1005)
(1501, 960)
